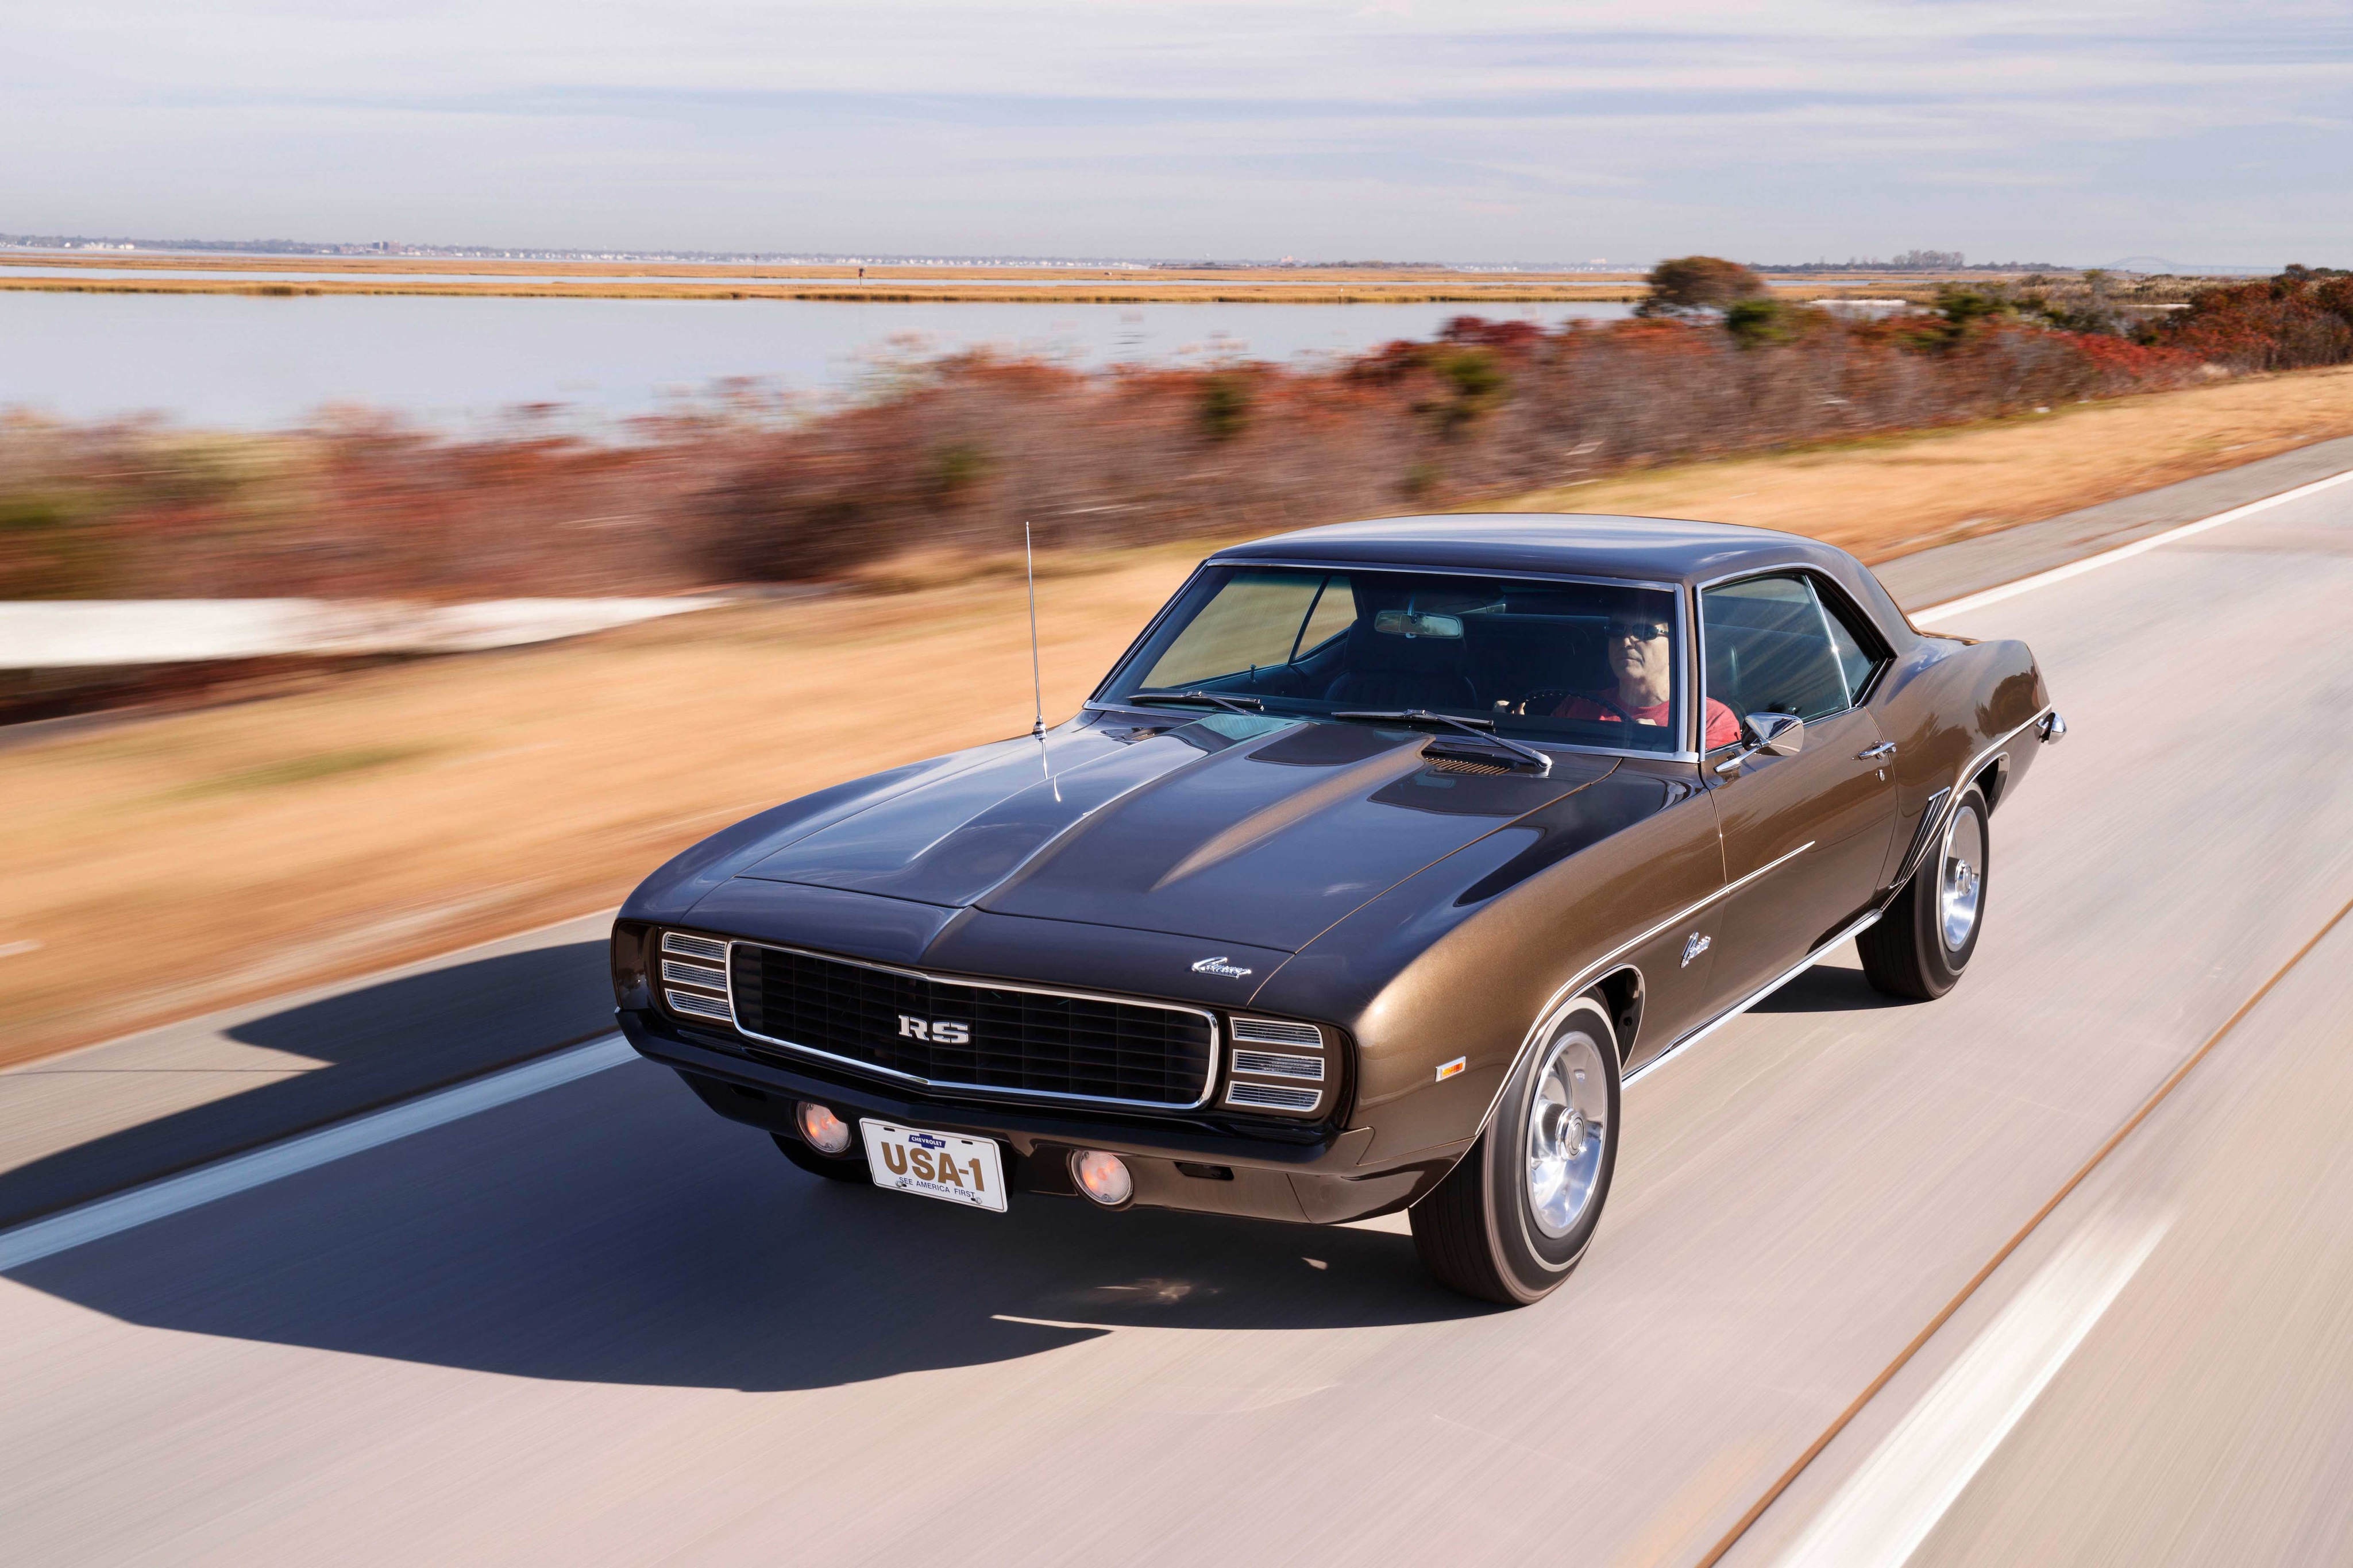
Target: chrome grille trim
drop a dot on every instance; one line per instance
(695, 1006)
(1210, 1077)
(1268, 1064)
(1273, 1096)
(701, 974)
(694, 946)
(1277, 1032)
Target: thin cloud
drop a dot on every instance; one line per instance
(1473, 130)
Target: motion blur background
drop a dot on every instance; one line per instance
(454, 458)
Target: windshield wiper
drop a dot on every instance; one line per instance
(1231, 704)
(1484, 729)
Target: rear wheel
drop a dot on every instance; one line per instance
(1923, 942)
(850, 1167)
(1517, 1212)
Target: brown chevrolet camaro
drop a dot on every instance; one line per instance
(1381, 862)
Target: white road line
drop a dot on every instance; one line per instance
(2122, 553)
(175, 1194)
(1886, 1509)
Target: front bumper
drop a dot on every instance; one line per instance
(1315, 1180)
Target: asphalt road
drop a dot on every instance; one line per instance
(598, 1325)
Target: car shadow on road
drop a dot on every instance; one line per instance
(616, 1232)
(380, 1043)
(1829, 987)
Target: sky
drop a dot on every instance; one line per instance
(2073, 131)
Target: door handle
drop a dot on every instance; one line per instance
(1875, 754)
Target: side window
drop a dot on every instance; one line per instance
(1856, 660)
(1770, 649)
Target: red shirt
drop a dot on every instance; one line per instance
(1722, 726)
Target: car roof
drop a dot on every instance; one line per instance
(1656, 548)
(1646, 549)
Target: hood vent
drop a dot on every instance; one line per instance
(1462, 754)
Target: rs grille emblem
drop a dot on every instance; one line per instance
(1693, 945)
(938, 1031)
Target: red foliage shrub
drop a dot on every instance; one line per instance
(975, 445)
(2284, 324)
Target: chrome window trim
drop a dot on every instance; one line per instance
(1124, 710)
(1097, 702)
(1208, 1087)
(1598, 580)
(1815, 581)
(1566, 995)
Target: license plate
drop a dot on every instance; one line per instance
(935, 1164)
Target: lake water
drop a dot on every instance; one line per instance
(242, 362)
(1075, 281)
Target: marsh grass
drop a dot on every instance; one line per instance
(308, 768)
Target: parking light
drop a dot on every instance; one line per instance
(821, 1129)
(1102, 1177)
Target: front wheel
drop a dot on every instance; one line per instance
(1922, 941)
(1517, 1212)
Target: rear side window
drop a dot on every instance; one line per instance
(1856, 660)
(1771, 648)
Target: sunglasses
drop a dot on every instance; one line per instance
(1641, 631)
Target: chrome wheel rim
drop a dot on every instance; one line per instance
(1961, 887)
(1567, 1133)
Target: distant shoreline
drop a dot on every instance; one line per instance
(836, 283)
(887, 292)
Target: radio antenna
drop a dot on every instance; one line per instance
(1036, 681)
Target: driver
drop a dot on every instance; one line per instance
(1639, 651)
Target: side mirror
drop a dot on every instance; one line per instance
(1775, 734)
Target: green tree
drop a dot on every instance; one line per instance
(1691, 283)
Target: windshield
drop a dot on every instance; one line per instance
(1584, 663)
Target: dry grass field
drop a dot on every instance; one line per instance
(239, 850)
(1891, 495)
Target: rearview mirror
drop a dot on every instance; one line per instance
(1775, 734)
(1417, 624)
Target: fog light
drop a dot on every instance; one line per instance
(1102, 1177)
(821, 1129)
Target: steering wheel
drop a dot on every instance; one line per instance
(1545, 699)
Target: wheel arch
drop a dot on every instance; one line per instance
(1622, 994)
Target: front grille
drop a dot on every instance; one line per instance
(1271, 1097)
(694, 946)
(701, 1006)
(1277, 1032)
(1270, 1064)
(701, 974)
(963, 1034)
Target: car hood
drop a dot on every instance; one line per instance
(1239, 828)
